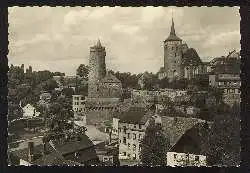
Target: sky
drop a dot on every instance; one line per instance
(59, 38)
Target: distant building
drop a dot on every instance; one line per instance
(185, 159)
(78, 105)
(101, 84)
(225, 75)
(63, 150)
(29, 111)
(179, 60)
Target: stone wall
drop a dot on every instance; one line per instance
(172, 59)
(97, 69)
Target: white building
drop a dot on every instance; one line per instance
(30, 111)
(78, 105)
(184, 159)
(131, 130)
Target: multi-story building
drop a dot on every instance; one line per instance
(78, 105)
(225, 75)
(131, 130)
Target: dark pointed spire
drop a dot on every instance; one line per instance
(172, 32)
(98, 44)
(172, 36)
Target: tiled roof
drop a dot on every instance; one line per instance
(191, 57)
(175, 127)
(74, 145)
(135, 115)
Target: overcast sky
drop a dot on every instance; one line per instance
(58, 38)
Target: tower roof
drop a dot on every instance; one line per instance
(98, 44)
(172, 36)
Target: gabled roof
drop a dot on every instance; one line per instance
(191, 57)
(110, 78)
(74, 145)
(175, 127)
(135, 115)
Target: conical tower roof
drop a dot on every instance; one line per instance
(172, 36)
(98, 44)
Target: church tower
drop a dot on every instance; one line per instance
(173, 55)
(97, 69)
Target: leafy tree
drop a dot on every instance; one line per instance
(154, 145)
(49, 85)
(223, 143)
(83, 71)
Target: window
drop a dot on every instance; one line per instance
(175, 54)
(82, 98)
(134, 147)
(120, 130)
(134, 126)
(124, 140)
(196, 158)
(134, 157)
(140, 126)
(140, 136)
(175, 155)
(134, 136)
(128, 135)
(124, 153)
(82, 103)
(128, 145)
(120, 141)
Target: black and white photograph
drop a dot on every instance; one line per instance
(116, 86)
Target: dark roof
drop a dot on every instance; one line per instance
(175, 127)
(191, 57)
(56, 157)
(172, 36)
(135, 115)
(74, 145)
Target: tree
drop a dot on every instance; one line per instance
(154, 145)
(49, 85)
(83, 71)
(223, 143)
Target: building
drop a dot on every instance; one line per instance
(225, 75)
(131, 129)
(57, 150)
(185, 159)
(29, 111)
(101, 84)
(180, 61)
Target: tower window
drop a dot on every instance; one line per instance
(175, 54)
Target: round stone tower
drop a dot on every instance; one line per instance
(97, 69)
(173, 55)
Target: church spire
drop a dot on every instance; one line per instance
(98, 44)
(172, 36)
(172, 32)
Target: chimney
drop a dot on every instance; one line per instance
(30, 151)
(45, 146)
(110, 134)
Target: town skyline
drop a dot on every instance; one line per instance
(129, 42)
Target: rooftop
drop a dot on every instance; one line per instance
(176, 127)
(172, 36)
(136, 115)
